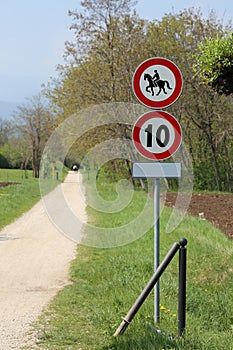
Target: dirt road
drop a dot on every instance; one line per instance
(34, 263)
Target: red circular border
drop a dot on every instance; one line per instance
(136, 135)
(136, 82)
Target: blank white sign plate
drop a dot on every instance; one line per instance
(156, 170)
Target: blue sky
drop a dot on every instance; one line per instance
(32, 36)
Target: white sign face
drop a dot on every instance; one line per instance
(163, 88)
(157, 135)
(157, 82)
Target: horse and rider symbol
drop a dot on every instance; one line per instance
(155, 82)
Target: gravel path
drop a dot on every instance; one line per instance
(34, 264)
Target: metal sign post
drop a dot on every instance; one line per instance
(156, 171)
(156, 247)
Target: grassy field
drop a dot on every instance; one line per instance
(106, 282)
(18, 198)
(14, 175)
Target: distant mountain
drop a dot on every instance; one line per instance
(7, 108)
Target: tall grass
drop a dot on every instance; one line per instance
(106, 282)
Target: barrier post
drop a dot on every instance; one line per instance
(156, 247)
(182, 287)
(140, 300)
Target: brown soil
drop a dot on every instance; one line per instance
(5, 184)
(217, 208)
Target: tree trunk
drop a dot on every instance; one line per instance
(215, 165)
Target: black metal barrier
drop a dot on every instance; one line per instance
(154, 279)
(182, 287)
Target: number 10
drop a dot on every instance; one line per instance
(162, 135)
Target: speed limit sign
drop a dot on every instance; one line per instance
(157, 135)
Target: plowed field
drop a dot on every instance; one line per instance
(217, 208)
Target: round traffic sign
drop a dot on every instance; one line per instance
(157, 82)
(157, 135)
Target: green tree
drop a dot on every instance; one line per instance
(15, 154)
(34, 121)
(107, 47)
(215, 63)
(109, 37)
(201, 112)
(4, 131)
(3, 160)
(110, 42)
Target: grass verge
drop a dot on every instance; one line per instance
(106, 282)
(18, 198)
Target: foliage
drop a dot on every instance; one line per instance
(96, 19)
(3, 161)
(98, 71)
(100, 64)
(34, 123)
(215, 63)
(110, 40)
(4, 131)
(16, 153)
(204, 116)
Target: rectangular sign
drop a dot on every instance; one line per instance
(156, 170)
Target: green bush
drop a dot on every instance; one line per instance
(215, 64)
